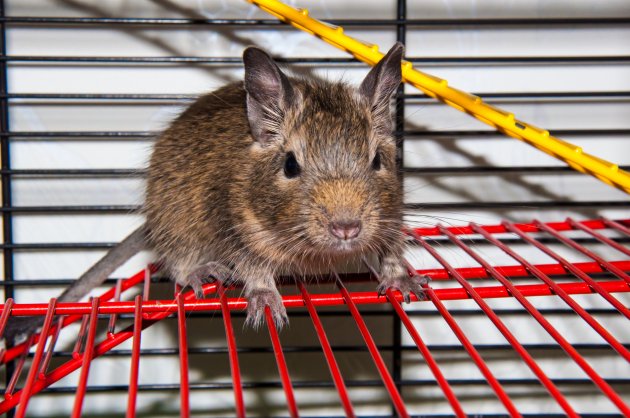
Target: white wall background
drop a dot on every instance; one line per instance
(558, 41)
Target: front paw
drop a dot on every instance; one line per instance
(256, 304)
(405, 284)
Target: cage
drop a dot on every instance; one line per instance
(527, 311)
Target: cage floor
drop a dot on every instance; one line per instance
(603, 273)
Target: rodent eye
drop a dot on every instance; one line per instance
(291, 166)
(376, 162)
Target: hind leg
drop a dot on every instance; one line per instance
(205, 273)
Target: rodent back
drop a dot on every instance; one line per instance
(190, 172)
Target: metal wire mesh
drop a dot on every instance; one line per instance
(147, 313)
(37, 367)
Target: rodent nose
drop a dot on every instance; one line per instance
(345, 229)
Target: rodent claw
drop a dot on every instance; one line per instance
(198, 289)
(405, 285)
(257, 301)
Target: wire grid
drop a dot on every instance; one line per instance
(554, 282)
(39, 377)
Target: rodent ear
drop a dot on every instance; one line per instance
(381, 83)
(268, 92)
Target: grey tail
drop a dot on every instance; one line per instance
(92, 278)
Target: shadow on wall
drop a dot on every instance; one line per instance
(449, 145)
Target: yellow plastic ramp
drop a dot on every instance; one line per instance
(438, 88)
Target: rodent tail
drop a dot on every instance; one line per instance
(93, 277)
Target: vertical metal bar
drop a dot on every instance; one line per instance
(231, 343)
(147, 283)
(428, 357)
(4, 318)
(111, 327)
(328, 353)
(5, 164)
(51, 347)
(424, 350)
(8, 392)
(282, 364)
(88, 353)
(390, 385)
(184, 390)
(401, 36)
(5, 156)
(34, 372)
(76, 351)
(135, 359)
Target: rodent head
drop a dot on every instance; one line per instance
(324, 179)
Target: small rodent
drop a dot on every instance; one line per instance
(272, 176)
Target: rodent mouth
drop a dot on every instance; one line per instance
(344, 246)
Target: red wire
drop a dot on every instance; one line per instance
(13, 352)
(525, 227)
(617, 225)
(111, 327)
(162, 309)
(611, 268)
(598, 236)
(282, 364)
(617, 346)
(168, 307)
(613, 301)
(135, 358)
(49, 351)
(184, 391)
(516, 345)
(8, 392)
(76, 351)
(231, 343)
(559, 289)
(428, 357)
(4, 318)
(328, 353)
(87, 360)
(399, 404)
(27, 392)
(102, 348)
(472, 351)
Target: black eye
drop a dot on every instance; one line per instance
(291, 166)
(376, 162)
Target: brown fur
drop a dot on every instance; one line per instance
(218, 196)
(219, 204)
(213, 192)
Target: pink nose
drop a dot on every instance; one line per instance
(345, 229)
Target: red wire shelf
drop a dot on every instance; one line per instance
(599, 276)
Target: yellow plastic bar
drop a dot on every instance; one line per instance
(438, 88)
